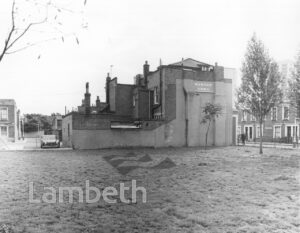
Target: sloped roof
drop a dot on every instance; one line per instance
(189, 62)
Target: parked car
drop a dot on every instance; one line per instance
(49, 141)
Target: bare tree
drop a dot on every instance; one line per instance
(260, 89)
(43, 17)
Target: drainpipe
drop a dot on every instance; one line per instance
(186, 115)
(150, 106)
(186, 119)
(161, 89)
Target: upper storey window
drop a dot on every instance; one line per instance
(156, 95)
(3, 114)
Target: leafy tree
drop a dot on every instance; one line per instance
(45, 20)
(37, 121)
(294, 86)
(260, 89)
(31, 125)
(211, 111)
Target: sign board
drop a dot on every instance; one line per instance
(204, 86)
(192, 86)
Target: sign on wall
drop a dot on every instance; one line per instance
(192, 86)
(204, 86)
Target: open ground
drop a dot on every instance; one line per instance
(232, 189)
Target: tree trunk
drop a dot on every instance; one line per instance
(206, 136)
(260, 134)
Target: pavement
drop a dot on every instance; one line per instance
(273, 145)
(26, 144)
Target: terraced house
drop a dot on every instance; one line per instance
(281, 125)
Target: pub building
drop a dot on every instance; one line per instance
(162, 108)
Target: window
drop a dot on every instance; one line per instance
(248, 130)
(156, 96)
(239, 130)
(277, 131)
(244, 116)
(59, 123)
(296, 131)
(258, 131)
(3, 114)
(252, 118)
(291, 131)
(274, 114)
(285, 112)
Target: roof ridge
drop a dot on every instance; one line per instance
(190, 60)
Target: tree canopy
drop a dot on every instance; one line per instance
(294, 86)
(261, 81)
(260, 89)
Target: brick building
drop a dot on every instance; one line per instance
(162, 108)
(10, 121)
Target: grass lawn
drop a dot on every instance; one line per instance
(232, 189)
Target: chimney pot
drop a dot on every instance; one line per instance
(87, 87)
(98, 102)
(146, 72)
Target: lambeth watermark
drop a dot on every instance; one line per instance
(78, 194)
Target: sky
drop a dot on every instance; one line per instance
(121, 35)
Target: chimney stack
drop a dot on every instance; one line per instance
(98, 102)
(87, 99)
(108, 79)
(146, 72)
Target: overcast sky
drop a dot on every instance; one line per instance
(125, 33)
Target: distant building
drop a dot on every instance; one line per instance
(281, 124)
(162, 108)
(231, 74)
(57, 122)
(10, 120)
(57, 126)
